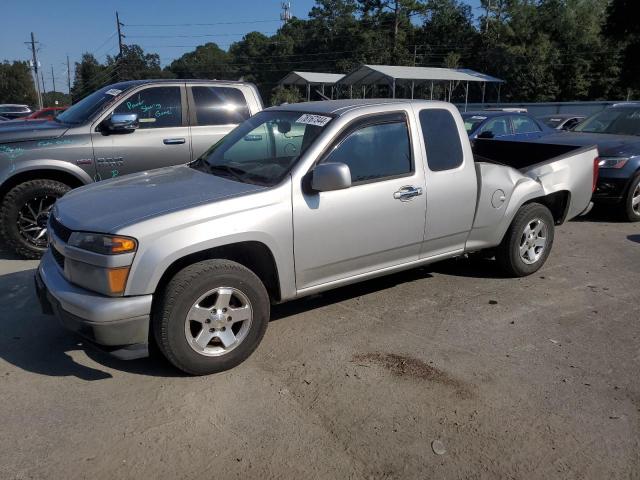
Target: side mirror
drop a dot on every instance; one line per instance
(486, 134)
(330, 176)
(121, 123)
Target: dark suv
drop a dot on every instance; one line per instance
(122, 128)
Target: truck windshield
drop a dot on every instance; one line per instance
(263, 149)
(86, 108)
(617, 121)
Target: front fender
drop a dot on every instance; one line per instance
(264, 217)
(15, 168)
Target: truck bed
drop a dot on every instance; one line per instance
(519, 155)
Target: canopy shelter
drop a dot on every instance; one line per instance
(308, 79)
(392, 75)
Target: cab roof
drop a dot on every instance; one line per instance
(340, 107)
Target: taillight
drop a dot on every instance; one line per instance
(596, 170)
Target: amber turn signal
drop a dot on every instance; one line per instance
(117, 279)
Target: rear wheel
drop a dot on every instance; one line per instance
(24, 214)
(632, 201)
(527, 243)
(211, 316)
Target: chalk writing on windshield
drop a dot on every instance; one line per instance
(142, 106)
(58, 141)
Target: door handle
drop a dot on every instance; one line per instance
(407, 193)
(173, 141)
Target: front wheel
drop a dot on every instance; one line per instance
(632, 201)
(24, 215)
(211, 316)
(527, 243)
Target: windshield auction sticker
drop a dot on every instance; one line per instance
(317, 120)
(114, 91)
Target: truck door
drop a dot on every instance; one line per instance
(376, 223)
(451, 182)
(161, 140)
(214, 111)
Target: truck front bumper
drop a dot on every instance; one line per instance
(119, 325)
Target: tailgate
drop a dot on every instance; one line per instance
(573, 172)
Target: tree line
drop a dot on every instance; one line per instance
(545, 50)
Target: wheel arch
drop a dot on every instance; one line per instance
(557, 203)
(74, 180)
(254, 255)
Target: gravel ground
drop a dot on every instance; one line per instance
(528, 378)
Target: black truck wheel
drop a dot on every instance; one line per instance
(211, 316)
(527, 243)
(24, 214)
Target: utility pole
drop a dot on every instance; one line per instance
(44, 88)
(35, 68)
(119, 24)
(69, 79)
(53, 79)
(120, 34)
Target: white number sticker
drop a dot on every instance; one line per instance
(317, 120)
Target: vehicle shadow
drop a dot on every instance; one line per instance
(602, 214)
(37, 343)
(634, 238)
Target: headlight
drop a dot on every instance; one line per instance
(103, 244)
(612, 162)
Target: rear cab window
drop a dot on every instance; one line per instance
(216, 105)
(441, 139)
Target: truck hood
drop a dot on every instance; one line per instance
(112, 204)
(608, 145)
(25, 130)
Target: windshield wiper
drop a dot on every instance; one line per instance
(234, 172)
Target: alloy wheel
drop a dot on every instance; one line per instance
(33, 218)
(533, 241)
(218, 321)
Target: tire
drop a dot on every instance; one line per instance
(631, 211)
(18, 207)
(199, 289)
(508, 254)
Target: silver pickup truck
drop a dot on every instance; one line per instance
(119, 129)
(297, 200)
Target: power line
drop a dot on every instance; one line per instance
(199, 24)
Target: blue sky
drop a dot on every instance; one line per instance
(71, 27)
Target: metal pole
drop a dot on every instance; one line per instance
(499, 85)
(35, 70)
(466, 96)
(350, 91)
(308, 92)
(484, 86)
(69, 78)
(53, 79)
(431, 89)
(364, 91)
(394, 89)
(412, 87)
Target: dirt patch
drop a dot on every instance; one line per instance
(405, 366)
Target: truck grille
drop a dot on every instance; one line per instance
(62, 232)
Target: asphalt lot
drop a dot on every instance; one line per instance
(528, 378)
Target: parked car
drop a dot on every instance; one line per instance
(48, 113)
(3, 119)
(616, 132)
(561, 121)
(298, 199)
(122, 128)
(12, 110)
(503, 124)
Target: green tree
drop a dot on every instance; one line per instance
(89, 76)
(49, 99)
(623, 28)
(16, 83)
(134, 64)
(285, 95)
(206, 61)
